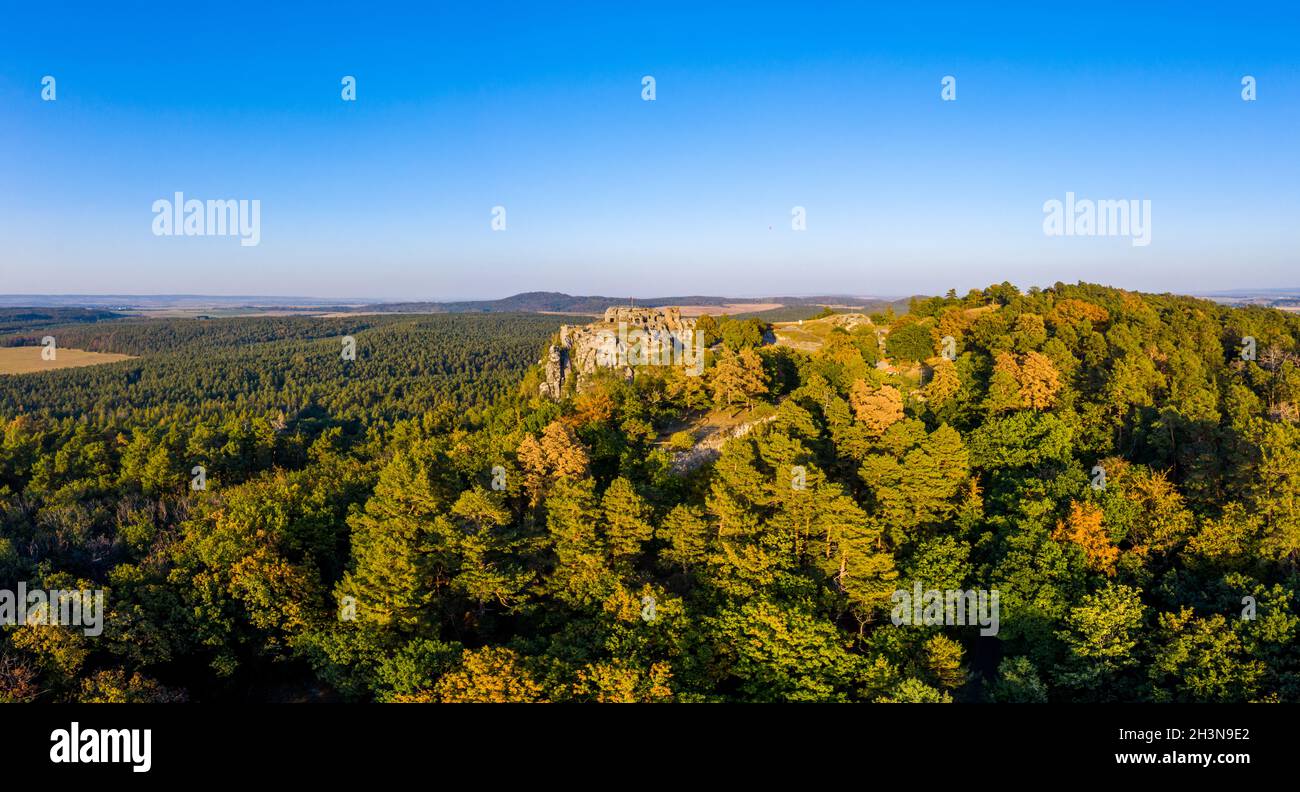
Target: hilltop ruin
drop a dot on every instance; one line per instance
(626, 337)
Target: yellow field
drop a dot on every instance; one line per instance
(25, 360)
(728, 308)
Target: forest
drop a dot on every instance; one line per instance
(417, 524)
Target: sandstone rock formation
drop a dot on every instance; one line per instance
(627, 337)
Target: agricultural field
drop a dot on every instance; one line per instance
(28, 360)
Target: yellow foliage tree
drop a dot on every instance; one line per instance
(558, 455)
(564, 451)
(1083, 528)
(491, 675)
(1039, 381)
(943, 384)
(621, 683)
(1070, 311)
(877, 408)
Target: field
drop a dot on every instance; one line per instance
(728, 308)
(27, 359)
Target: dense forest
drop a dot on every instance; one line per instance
(30, 319)
(418, 525)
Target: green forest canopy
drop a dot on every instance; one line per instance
(350, 543)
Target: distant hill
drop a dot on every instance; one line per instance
(773, 309)
(558, 302)
(160, 301)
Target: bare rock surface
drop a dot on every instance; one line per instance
(624, 338)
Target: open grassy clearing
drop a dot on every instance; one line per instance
(27, 359)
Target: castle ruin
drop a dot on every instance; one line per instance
(626, 337)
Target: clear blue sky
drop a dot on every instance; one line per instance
(760, 107)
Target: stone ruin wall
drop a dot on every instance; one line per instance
(664, 336)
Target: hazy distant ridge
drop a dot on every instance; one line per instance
(532, 302)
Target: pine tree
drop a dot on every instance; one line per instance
(627, 525)
(943, 662)
(581, 577)
(687, 534)
(489, 555)
(394, 569)
(738, 377)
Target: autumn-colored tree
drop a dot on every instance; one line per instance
(19, 683)
(347, 539)
(595, 404)
(953, 322)
(1083, 528)
(113, 686)
(944, 384)
(1070, 310)
(621, 683)
(535, 466)
(876, 408)
(1039, 381)
(558, 455)
(564, 453)
(491, 675)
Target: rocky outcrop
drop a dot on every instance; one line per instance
(626, 338)
(709, 447)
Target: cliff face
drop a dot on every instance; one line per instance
(625, 338)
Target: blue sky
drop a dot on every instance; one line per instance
(537, 108)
